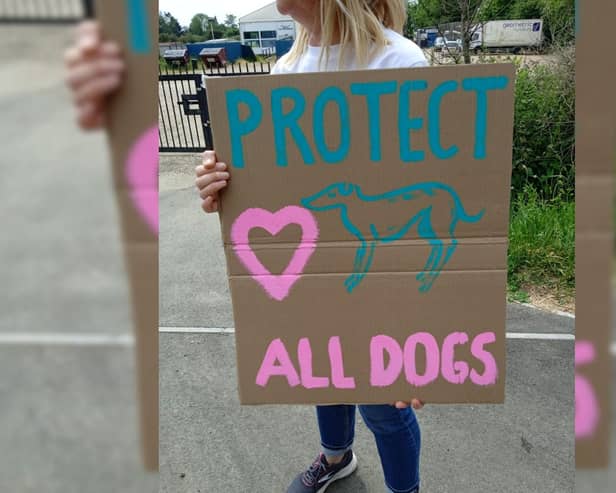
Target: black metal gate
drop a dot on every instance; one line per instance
(44, 11)
(183, 115)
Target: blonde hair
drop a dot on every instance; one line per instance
(356, 25)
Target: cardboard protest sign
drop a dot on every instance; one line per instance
(595, 159)
(365, 228)
(133, 138)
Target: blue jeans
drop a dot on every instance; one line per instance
(397, 435)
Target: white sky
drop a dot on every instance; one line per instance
(183, 10)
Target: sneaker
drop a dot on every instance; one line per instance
(321, 474)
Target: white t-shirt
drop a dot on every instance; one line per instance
(399, 53)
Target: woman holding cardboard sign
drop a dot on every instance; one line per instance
(345, 35)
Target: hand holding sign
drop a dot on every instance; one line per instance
(94, 71)
(212, 177)
(414, 403)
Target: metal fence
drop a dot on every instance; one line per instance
(44, 11)
(183, 116)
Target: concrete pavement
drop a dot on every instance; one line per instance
(68, 405)
(210, 443)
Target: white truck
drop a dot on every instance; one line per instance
(512, 35)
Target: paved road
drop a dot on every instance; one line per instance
(525, 445)
(68, 411)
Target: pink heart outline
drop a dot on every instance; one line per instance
(276, 286)
(141, 171)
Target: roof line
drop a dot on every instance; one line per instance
(258, 10)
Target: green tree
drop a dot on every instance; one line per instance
(527, 9)
(431, 13)
(231, 29)
(558, 16)
(199, 25)
(417, 17)
(232, 32)
(559, 21)
(467, 13)
(168, 26)
(202, 27)
(230, 21)
(498, 9)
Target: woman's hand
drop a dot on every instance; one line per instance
(94, 71)
(212, 177)
(414, 403)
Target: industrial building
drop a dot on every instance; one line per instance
(262, 28)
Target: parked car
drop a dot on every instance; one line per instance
(454, 46)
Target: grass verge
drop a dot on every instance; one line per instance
(541, 249)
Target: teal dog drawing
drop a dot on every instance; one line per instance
(427, 206)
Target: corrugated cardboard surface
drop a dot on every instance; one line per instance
(132, 111)
(595, 159)
(468, 295)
